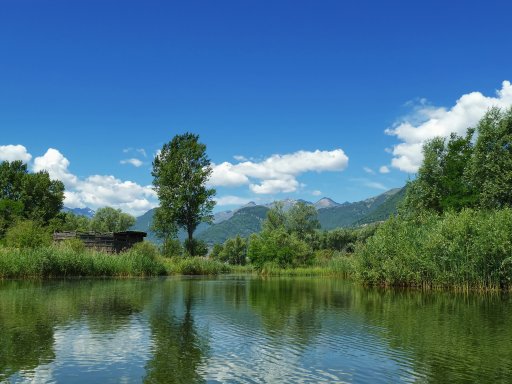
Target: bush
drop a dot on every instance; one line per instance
(172, 248)
(147, 249)
(280, 247)
(466, 249)
(27, 234)
(198, 247)
(234, 251)
(75, 245)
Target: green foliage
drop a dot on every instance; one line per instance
(180, 173)
(280, 247)
(216, 250)
(68, 221)
(75, 245)
(456, 174)
(470, 248)
(302, 220)
(234, 251)
(147, 249)
(442, 182)
(27, 234)
(108, 219)
(10, 212)
(195, 247)
(172, 248)
(491, 165)
(195, 266)
(32, 196)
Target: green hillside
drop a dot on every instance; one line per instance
(248, 220)
(349, 214)
(244, 222)
(385, 210)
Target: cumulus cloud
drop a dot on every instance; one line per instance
(427, 122)
(240, 158)
(14, 152)
(133, 161)
(275, 186)
(384, 169)
(96, 191)
(232, 200)
(369, 170)
(316, 193)
(277, 173)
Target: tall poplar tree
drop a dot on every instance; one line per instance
(180, 173)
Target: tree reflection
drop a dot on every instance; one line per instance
(179, 349)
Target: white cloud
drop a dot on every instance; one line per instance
(316, 193)
(369, 170)
(232, 200)
(133, 161)
(14, 152)
(275, 186)
(96, 191)
(428, 122)
(225, 175)
(240, 158)
(384, 169)
(277, 173)
(57, 166)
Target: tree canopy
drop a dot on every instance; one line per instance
(30, 196)
(180, 172)
(108, 219)
(470, 171)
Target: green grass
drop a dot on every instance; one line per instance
(47, 262)
(194, 266)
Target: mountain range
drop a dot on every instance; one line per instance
(248, 219)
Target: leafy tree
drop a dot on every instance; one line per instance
(491, 166)
(234, 251)
(180, 173)
(68, 221)
(442, 183)
(32, 196)
(108, 219)
(302, 220)
(10, 211)
(276, 218)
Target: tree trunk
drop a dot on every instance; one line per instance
(190, 232)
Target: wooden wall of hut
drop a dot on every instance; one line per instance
(111, 242)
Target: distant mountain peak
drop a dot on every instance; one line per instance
(326, 202)
(87, 212)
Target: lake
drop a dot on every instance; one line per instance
(249, 330)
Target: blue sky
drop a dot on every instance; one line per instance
(283, 85)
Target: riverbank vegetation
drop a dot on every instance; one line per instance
(453, 229)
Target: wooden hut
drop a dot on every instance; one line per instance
(110, 242)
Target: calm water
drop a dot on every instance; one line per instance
(249, 330)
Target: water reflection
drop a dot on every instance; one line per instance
(249, 330)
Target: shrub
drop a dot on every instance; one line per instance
(27, 234)
(172, 248)
(198, 247)
(278, 246)
(234, 251)
(147, 249)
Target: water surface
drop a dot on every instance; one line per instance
(249, 330)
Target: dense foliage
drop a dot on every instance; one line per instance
(27, 196)
(455, 226)
(180, 172)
